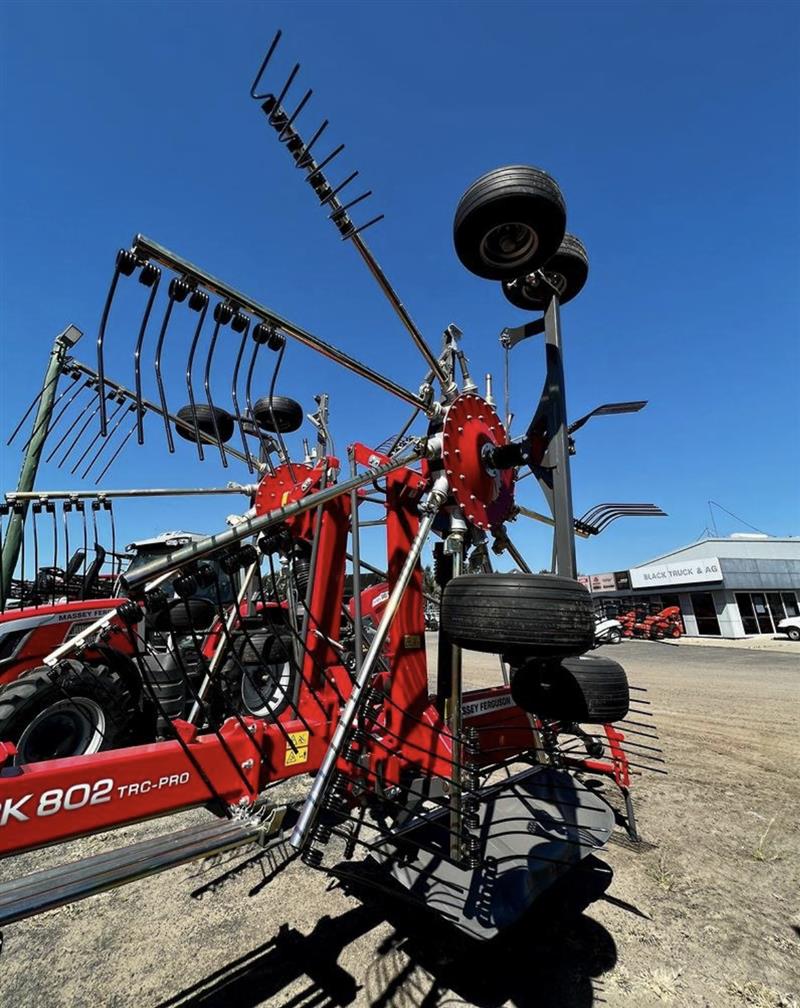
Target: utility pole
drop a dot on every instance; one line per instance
(30, 463)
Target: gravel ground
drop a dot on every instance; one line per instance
(706, 913)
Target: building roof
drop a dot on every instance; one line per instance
(738, 545)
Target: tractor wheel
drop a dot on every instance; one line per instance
(258, 678)
(73, 710)
(613, 637)
(793, 634)
(509, 222)
(567, 272)
(182, 616)
(278, 415)
(205, 422)
(520, 615)
(588, 690)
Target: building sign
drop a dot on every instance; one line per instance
(612, 581)
(685, 572)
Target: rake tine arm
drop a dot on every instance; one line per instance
(54, 420)
(235, 397)
(107, 441)
(137, 353)
(98, 436)
(318, 168)
(124, 265)
(220, 312)
(78, 435)
(114, 457)
(174, 289)
(203, 307)
(286, 133)
(27, 413)
(303, 159)
(333, 194)
(276, 111)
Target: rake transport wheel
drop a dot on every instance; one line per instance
(509, 222)
(258, 678)
(279, 415)
(567, 271)
(589, 689)
(182, 616)
(519, 615)
(205, 422)
(73, 710)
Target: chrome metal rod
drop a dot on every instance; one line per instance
(250, 526)
(454, 712)
(221, 650)
(149, 249)
(356, 538)
(316, 796)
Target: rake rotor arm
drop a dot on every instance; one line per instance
(147, 249)
(136, 580)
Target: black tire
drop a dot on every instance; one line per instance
(589, 690)
(793, 634)
(71, 711)
(205, 422)
(182, 616)
(509, 222)
(613, 637)
(530, 615)
(166, 695)
(285, 418)
(568, 271)
(257, 680)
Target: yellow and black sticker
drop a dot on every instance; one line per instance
(300, 752)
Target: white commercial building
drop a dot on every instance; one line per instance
(734, 587)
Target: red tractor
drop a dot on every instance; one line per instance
(666, 623)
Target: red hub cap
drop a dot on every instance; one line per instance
(471, 429)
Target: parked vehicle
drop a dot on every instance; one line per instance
(607, 631)
(791, 627)
(664, 624)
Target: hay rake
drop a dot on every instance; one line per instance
(469, 803)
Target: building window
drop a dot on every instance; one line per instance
(705, 613)
(790, 603)
(762, 612)
(749, 621)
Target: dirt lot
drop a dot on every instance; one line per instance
(707, 915)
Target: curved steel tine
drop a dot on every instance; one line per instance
(36, 508)
(65, 510)
(50, 507)
(89, 384)
(115, 456)
(3, 514)
(99, 436)
(303, 160)
(19, 509)
(125, 263)
(358, 230)
(108, 506)
(287, 129)
(343, 210)
(159, 380)
(54, 418)
(235, 398)
(107, 440)
(80, 507)
(264, 448)
(80, 433)
(137, 353)
(263, 67)
(190, 363)
(277, 108)
(36, 399)
(219, 313)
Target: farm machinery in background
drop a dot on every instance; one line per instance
(470, 803)
(664, 624)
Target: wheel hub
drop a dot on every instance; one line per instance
(472, 430)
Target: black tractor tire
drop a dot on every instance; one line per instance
(519, 615)
(205, 422)
(70, 711)
(286, 415)
(793, 634)
(509, 222)
(166, 693)
(589, 690)
(257, 680)
(182, 616)
(567, 271)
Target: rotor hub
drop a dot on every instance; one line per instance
(289, 483)
(472, 430)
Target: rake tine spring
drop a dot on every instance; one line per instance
(343, 210)
(334, 153)
(80, 433)
(137, 353)
(235, 399)
(286, 132)
(117, 410)
(107, 441)
(201, 301)
(263, 67)
(302, 157)
(88, 384)
(114, 457)
(332, 195)
(223, 312)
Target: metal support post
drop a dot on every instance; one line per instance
(454, 546)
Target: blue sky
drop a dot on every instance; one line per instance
(671, 128)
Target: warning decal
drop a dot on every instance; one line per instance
(300, 753)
